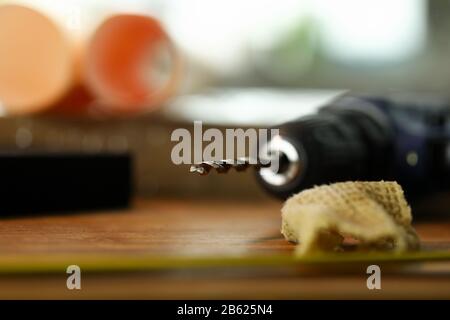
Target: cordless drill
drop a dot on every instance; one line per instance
(396, 137)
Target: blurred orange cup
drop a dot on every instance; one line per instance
(131, 64)
(36, 61)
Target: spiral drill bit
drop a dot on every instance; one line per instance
(223, 166)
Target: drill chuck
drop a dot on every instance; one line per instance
(359, 138)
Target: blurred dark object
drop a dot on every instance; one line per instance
(33, 182)
(394, 136)
(401, 137)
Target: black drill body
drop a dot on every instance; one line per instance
(403, 138)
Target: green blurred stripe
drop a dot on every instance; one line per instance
(12, 264)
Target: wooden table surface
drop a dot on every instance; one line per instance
(122, 254)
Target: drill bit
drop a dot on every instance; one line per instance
(223, 166)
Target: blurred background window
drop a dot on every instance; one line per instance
(371, 33)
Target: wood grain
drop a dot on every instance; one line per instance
(160, 227)
(175, 228)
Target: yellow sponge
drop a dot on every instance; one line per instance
(375, 214)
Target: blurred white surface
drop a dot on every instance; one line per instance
(248, 107)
